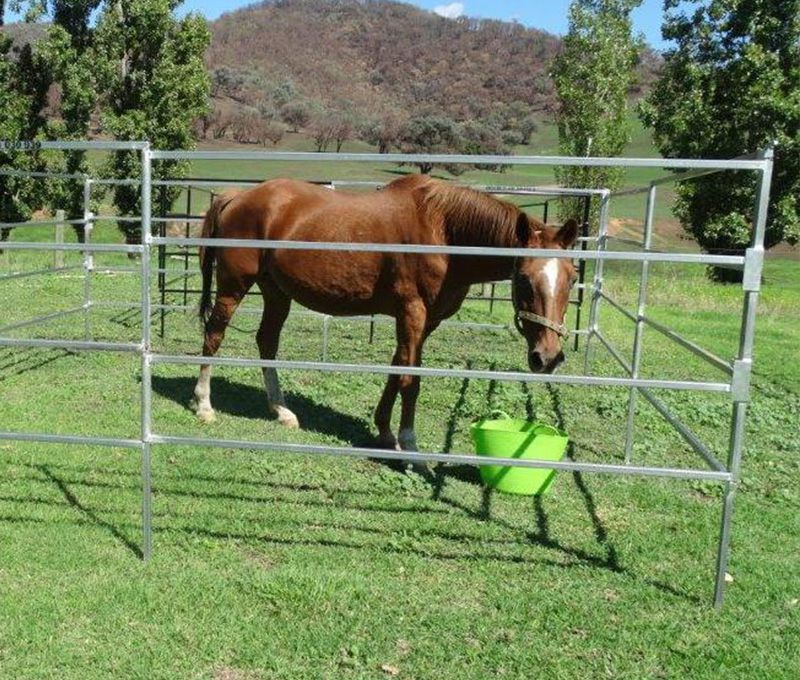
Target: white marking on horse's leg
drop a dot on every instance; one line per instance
(202, 396)
(276, 402)
(407, 439)
(550, 271)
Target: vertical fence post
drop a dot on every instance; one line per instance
(742, 367)
(162, 257)
(636, 361)
(58, 255)
(146, 396)
(188, 232)
(88, 259)
(597, 284)
(587, 213)
(326, 322)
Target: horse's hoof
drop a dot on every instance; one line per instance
(420, 468)
(407, 440)
(387, 442)
(207, 416)
(287, 418)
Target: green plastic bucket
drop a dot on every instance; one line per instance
(507, 437)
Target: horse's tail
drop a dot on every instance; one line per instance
(208, 254)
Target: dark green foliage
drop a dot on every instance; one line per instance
(71, 60)
(154, 86)
(23, 87)
(431, 134)
(141, 66)
(593, 75)
(729, 87)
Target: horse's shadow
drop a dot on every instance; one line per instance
(245, 401)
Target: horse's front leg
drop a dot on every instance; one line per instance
(276, 310)
(411, 325)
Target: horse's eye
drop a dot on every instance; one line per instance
(524, 286)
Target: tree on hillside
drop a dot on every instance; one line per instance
(154, 85)
(271, 131)
(431, 134)
(344, 125)
(384, 131)
(592, 75)
(296, 114)
(321, 127)
(729, 87)
(482, 138)
(244, 127)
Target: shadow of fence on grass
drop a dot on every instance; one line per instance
(359, 534)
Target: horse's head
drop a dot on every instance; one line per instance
(540, 291)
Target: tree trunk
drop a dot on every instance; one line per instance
(724, 274)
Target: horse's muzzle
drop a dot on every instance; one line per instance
(539, 364)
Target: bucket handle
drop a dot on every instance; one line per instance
(499, 412)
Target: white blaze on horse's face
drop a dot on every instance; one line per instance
(541, 292)
(550, 272)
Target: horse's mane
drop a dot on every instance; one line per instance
(470, 217)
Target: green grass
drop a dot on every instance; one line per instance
(280, 566)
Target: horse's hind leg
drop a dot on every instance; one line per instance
(411, 334)
(276, 309)
(224, 307)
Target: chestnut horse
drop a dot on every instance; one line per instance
(419, 291)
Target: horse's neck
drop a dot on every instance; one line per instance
(482, 268)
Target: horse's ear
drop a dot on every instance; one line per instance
(568, 234)
(526, 234)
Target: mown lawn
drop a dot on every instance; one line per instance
(280, 566)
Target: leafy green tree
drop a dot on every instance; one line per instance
(731, 86)
(147, 64)
(431, 134)
(592, 76)
(527, 126)
(23, 90)
(69, 57)
(483, 138)
(153, 86)
(64, 59)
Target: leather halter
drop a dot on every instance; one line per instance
(522, 314)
